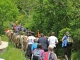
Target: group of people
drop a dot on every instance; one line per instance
(44, 48)
(41, 47)
(18, 29)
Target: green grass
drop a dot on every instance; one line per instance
(11, 52)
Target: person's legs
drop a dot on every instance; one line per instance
(55, 50)
(28, 52)
(65, 52)
(69, 52)
(66, 57)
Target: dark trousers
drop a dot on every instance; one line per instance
(29, 52)
(67, 51)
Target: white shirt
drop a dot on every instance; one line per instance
(31, 39)
(53, 40)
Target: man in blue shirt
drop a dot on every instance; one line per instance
(64, 45)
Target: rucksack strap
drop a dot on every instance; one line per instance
(50, 56)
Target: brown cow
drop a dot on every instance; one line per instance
(25, 45)
(9, 33)
(20, 41)
(15, 39)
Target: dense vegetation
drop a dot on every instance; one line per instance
(44, 15)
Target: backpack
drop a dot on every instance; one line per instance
(69, 41)
(47, 56)
(36, 55)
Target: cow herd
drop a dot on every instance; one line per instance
(18, 40)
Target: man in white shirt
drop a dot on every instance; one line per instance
(30, 42)
(53, 40)
(31, 39)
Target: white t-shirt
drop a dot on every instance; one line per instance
(52, 40)
(31, 39)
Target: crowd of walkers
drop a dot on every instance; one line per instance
(42, 47)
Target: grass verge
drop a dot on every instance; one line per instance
(11, 52)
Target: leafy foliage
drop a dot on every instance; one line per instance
(54, 15)
(76, 55)
(76, 34)
(8, 12)
(26, 9)
(63, 32)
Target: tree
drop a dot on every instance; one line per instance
(8, 11)
(54, 15)
(26, 9)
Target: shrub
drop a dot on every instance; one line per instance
(75, 55)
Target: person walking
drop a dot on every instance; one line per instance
(67, 44)
(44, 42)
(30, 39)
(53, 40)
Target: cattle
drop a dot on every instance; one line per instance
(25, 45)
(15, 39)
(20, 41)
(9, 34)
(23, 42)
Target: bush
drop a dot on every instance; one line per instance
(62, 32)
(76, 38)
(75, 55)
